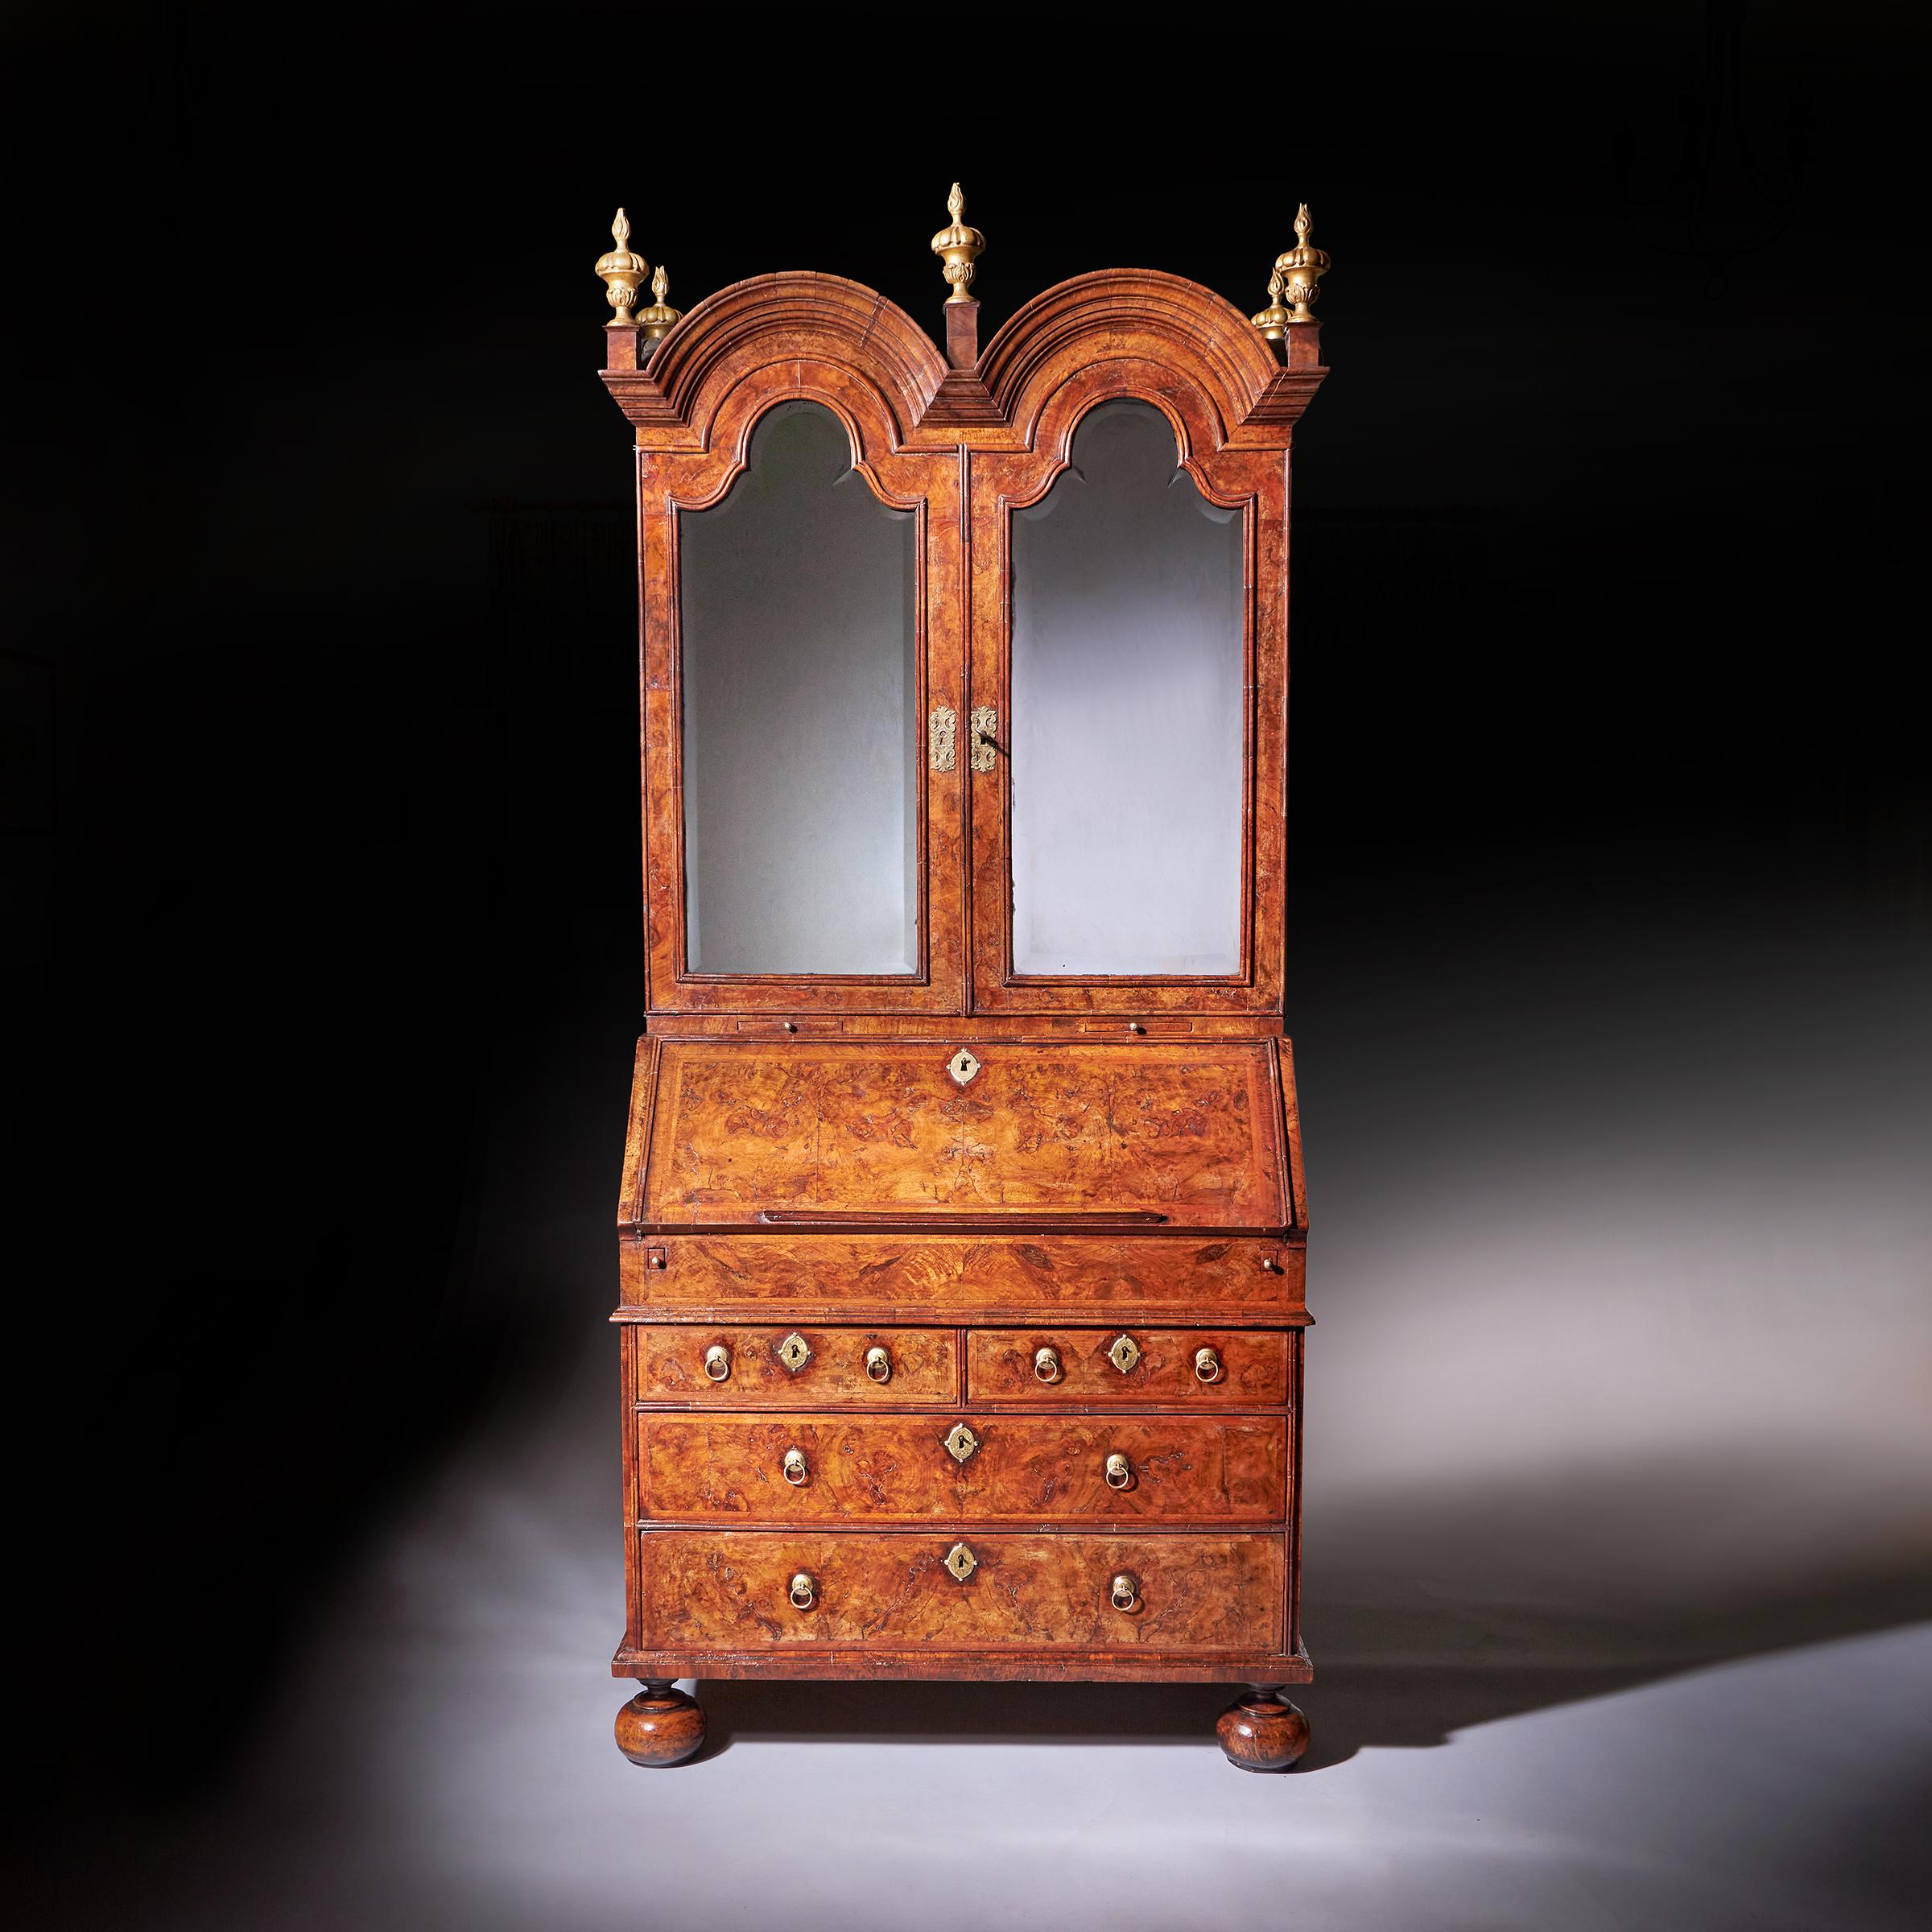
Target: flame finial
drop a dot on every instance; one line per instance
(957, 248)
(1302, 266)
(656, 321)
(622, 272)
(1272, 320)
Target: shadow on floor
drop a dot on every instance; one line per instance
(1429, 1614)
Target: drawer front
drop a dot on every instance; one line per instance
(1016, 1468)
(1247, 1368)
(837, 1365)
(1002, 1277)
(732, 1590)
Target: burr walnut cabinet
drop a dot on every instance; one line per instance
(962, 1228)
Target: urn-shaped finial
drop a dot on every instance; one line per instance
(957, 247)
(660, 317)
(1302, 266)
(1272, 320)
(623, 272)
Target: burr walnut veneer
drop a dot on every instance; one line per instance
(962, 1229)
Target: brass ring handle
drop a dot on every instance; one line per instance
(1206, 1365)
(717, 1361)
(1046, 1366)
(804, 1591)
(796, 1472)
(878, 1366)
(1120, 1471)
(1125, 1593)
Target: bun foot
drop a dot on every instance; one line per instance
(1261, 1730)
(660, 1726)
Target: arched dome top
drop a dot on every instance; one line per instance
(823, 317)
(1191, 328)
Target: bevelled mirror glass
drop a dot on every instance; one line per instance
(1126, 699)
(800, 705)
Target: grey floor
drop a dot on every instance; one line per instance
(1618, 1549)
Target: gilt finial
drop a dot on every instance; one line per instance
(656, 321)
(622, 272)
(1272, 320)
(1302, 266)
(957, 247)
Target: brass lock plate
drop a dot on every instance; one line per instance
(960, 1443)
(795, 1351)
(1125, 1353)
(961, 1562)
(941, 728)
(963, 1066)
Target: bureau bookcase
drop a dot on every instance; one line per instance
(962, 1230)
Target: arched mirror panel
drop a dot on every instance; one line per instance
(1127, 671)
(800, 689)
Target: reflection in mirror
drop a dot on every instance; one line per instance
(1126, 701)
(800, 705)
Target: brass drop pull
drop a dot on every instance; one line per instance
(1125, 1593)
(878, 1366)
(1120, 1472)
(796, 1472)
(1125, 1353)
(804, 1591)
(1046, 1366)
(718, 1362)
(1206, 1365)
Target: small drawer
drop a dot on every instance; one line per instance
(1007, 1468)
(1246, 1367)
(731, 1368)
(750, 1590)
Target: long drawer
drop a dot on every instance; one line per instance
(770, 1367)
(968, 1468)
(900, 1274)
(735, 1590)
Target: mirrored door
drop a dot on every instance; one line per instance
(1117, 869)
(800, 635)
(795, 643)
(1125, 699)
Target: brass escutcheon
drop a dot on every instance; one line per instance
(1120, 1471)
(1206, 1365)
(795, 1351)
(963, 1066)
(1125, 1353)
(960, 1443)
(796, 1472)
(1125, 1593)
(804, 1591)
(1046, 1366)
(717, 1361)
(961, 1562)
(878, 1366)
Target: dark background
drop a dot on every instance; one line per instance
(321, 848)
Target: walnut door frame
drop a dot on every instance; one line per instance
(795, 346)
(1095, 340)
